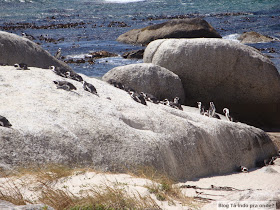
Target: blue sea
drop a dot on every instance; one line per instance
(80, 27)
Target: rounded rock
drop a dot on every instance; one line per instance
(178, 28)
(148, 78)
(16, 49)
(228, 73)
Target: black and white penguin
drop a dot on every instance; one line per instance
(226, 112)
(176, 103)
(165, 102)
(137, 97)
(149, 97)
(128, 89)
(89, 87)
(120, 85)
(271, 161)
(212, 109)
(28, 36)
(112, 82)
(58, 53)
(65, 85)
(21, 66)
(216, 116)
(74, 76)
(206, 113)
(4, 122)
(59, 71)
(116, 84)
(243, 169)
(200, 108)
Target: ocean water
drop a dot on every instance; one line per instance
(84, 26)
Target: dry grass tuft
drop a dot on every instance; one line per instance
(12, 194)
(105, 198)
(164, 187)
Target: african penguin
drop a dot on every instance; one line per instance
(64, 85)
(138, 97)
(212, 109)
(149, 97)
(176, 104)
(200, 108)
(21, 66)
(4, 122)
(165, 102)
(59, 71)
(243, 169)
(89, 87)
(28, 36)
(74, 76)
(226, 112)
(58, 53)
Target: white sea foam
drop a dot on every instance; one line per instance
(117, 61)
(233, 37)
(79, 56)
(122, 1)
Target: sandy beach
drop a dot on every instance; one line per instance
(259, 184)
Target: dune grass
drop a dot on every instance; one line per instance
(105, 197)
(164, 187)
(108, 198)
(12, 194)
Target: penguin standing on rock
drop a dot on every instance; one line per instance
(74, 76)
(89, 87)
(137, 97)
(4, 122)
(64, 85)
(28, 36)
(59, 71)
(176, 104)
(243, 169)
(150, 97)
(58, 53)
(226, 112)
(165, 102)
(21, 66)
(201, 108)
(116, 84)
(212, 109)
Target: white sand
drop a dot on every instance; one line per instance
(258, 184)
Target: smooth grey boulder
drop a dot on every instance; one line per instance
(16, 49)
(228, 73)
(178, 28)
(112, 132)
(254, 37)
(148, 78)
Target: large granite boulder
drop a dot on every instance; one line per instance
(228, 73)
(112, 132)
(178, 28)
(16, 49)
(148, 78)
(254, 37)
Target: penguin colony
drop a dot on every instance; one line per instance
(138, 97)
(211, 112)
(74, 76)
(144, 97)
